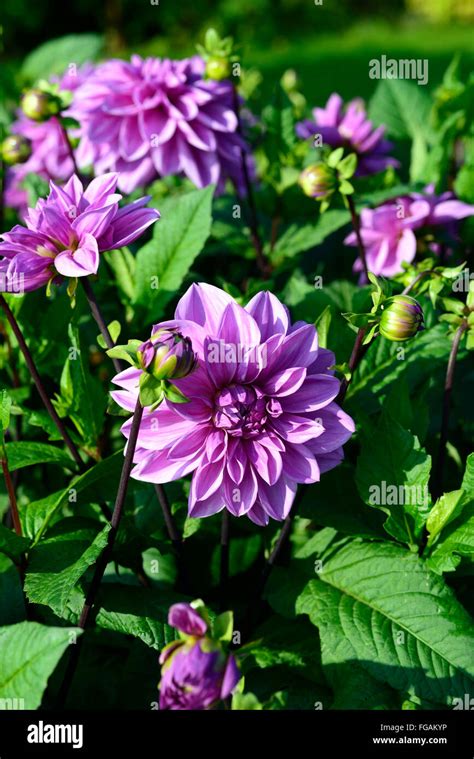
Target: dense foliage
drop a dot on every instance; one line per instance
(338, 577)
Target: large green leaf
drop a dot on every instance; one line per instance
(178, 237)
(82, 397)
(453, 529)
(139, 612)
(392, 474)
(402, 107)
(297, 237)
(403, 624)
(97, 483)
(58, 562)
(29, 653)
(54, 56)
(12, 544)
(12, 607)
(21, 454)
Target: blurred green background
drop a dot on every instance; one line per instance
(328, 44)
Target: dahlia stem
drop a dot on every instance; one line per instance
(358, 351)
(169, 519)
(119, 366)
(70, 148)
(417, 279)
(262, 262)
(100, 321)
(356, 224)
(224, 563)
(38, 382)
(104, 558)
(11, 495)
(437, 488)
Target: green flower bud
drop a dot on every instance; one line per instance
(39, 105)
(318, 181)
(402, 318)
(167, 355)
(218, 68)
(15, 149)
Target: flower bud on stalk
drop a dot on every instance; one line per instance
(218, 68)
(167, 355)
(15, 149)
(39, 105)
(318, 181)
(401, 319)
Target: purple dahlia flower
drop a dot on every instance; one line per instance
(388, 231)
(196, 672)
(65, 233)
(154, 117)
(261, 415)
(349, 127)
(50, 155)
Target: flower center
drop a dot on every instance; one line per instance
(243, 411)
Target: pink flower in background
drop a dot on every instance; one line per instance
(261, 415)
(50, 155)
(65, 233)
(153, 117)
(349, 127)
(391, 232)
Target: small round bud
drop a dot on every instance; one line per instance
(218, 68)
(402, 318)
(318, 181)
(15, 149)
(39, 105)
(167, 355)
(289, 80)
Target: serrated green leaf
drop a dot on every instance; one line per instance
(29, 653)
(12, 606)
(22, 454)
(163, 263)
(11, 544)
(58, 562)
(54, 56)
(403, 624)
(392, 475)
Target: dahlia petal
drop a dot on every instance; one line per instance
(156, 467)
(269, 313)
(315, 393)
(183, 617)
(285, 382)
(338, 428)
(207, 479)
(299, 464)
(239, 499)
(277, 499)
(268, 463)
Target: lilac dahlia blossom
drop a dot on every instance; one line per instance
(261, 415)
(196, 672)
(349, 127)
(65, 233)
(50, 154)
(392, 231)
(153, 117)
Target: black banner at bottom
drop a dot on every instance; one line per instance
(127, 734)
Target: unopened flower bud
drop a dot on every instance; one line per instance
(218, 68)
(39, 105)
(167, 355)
(15, 149)
(402, 318)
(318, 181)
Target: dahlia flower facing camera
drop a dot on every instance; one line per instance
(349, 127)
(65, 234)
(149, 118)
(261, 415)
(197, 672)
